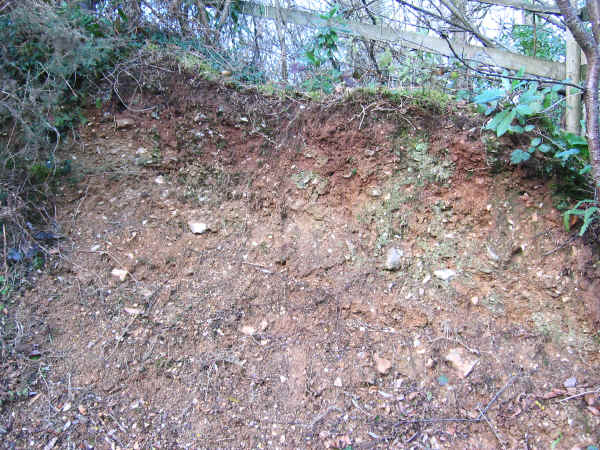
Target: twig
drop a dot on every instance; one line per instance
(116, 91)
(149, 304)
(493, 430)
(567, 242)
(322, 415)
(478, 419)
(121, 427)
(152, 299)
(498, 394)
(579, 395)
(413, 437)
(77, 209)
(259, 267)
(456, 341)
(354, 400)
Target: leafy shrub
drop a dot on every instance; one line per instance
(51, 59)
(525, 109)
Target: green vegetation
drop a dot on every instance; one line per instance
(321, 51)
(532, 113)
(540, 41)
(52, 59)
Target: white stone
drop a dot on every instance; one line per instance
(121, 274)
(393, 259)
(198, 227)
(445, 274)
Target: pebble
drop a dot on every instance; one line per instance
(338, 382)
(570, 382)
(393, 259)
(492, 254)
(198, 227)
(383, 365)
(461, 361)
(248, 330)
(445, 274)
(121, 274)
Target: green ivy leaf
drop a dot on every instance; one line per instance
(567, 154)
(575, 140)
(493, 124)
(518, 156)
(544, 148)
(489, 96)
(122, 15)
(535, 142)
(529, 128)
(504, 125)
(524, 109)
(535, 107)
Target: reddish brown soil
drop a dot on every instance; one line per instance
(266, 331)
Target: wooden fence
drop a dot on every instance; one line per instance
(571, 69)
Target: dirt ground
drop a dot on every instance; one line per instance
(361, 275)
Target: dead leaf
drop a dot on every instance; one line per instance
(553, 394)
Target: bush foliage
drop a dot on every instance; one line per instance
(51, 59)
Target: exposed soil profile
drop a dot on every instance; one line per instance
(244, 271)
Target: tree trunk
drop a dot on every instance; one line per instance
(591, 102)
(589, 41)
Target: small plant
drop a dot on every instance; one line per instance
(525, 109)
(521, 108)
(322, 50)
(588, 210)
(325, 43)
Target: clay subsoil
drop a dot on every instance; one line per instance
(279, 325)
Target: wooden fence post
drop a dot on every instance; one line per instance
(573, 73)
